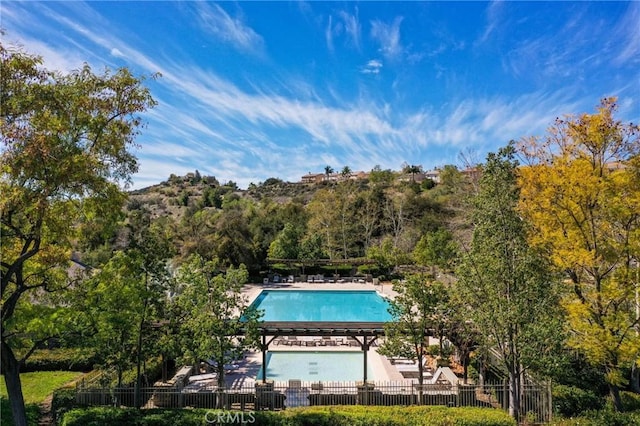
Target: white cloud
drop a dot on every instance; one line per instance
(346, 25)
(388, 35)
(328, 34)
(216, 21)
(117, 53)
(352, 27)
(628, 35)
(372, 67)
(494, 15)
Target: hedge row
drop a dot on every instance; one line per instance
(67, 359)
(316, 416)
(570, 401)
(603, 417)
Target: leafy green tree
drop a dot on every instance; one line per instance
(233, 242)
(65, 152)
(387, 256)
(115, 298)
(311, 249)
(436, 249)
(459, 329)
(195, 233)
(415, 314)
(324, 220)
(505, 283)
(581, 192)
(346, 219)
(287, 244)
(368, 215)
(380, 177)
(218, 324)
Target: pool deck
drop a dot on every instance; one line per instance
(248, 368)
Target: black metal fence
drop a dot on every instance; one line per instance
(536, 399)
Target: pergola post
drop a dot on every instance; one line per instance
(365, 349)
(264, 348)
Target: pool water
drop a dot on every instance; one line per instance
(322, 305)
(315, 366)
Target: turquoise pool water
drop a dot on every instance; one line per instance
(315, 366)
(322, 305)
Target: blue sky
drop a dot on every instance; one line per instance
(252, 90)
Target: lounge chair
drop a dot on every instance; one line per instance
(328, 341)
(293, 340)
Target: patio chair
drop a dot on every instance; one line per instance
(328, 341)
(295, 384)
(293, 340)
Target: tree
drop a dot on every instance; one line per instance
(324, 220)
(581, 192)
(287, 243)
(65, 154)
(368, 215)
(218, 324)
(505, 283)
(346, 172)
(436, 249)
(411, 169)
(415, 315)
(328, 171)
(380, 177)
(460, 330)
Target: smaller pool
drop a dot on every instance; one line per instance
(315, 366)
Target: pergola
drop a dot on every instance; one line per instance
(365, 333)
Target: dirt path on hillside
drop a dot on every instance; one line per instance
(46, 416)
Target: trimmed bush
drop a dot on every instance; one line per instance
(64, 399)
(601, 418)
(570, 401)
(630, 401)
(303, 416)
(62, 359)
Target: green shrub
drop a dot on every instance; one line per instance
(302, 416)
(151, 373)
(603, 417)
(570, 401)
(630, 401)
(33, 412)
(64, 399)
(396, 415)
(62, 359)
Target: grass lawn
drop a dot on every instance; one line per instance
(35, 388)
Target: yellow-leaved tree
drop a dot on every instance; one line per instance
(580, 190)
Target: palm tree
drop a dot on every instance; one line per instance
(413, 169)
(346, 172)
(328, 170)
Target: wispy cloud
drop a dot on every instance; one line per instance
(252, 128)
(629, 35)
(232, 30)
(388, 36)
(344, 25)
(372, 67)
(494, 14)
(328, 34)
(352, 27)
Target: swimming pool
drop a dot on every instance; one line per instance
(315, 366)
(322, 305)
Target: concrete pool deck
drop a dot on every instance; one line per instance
(248, 368)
